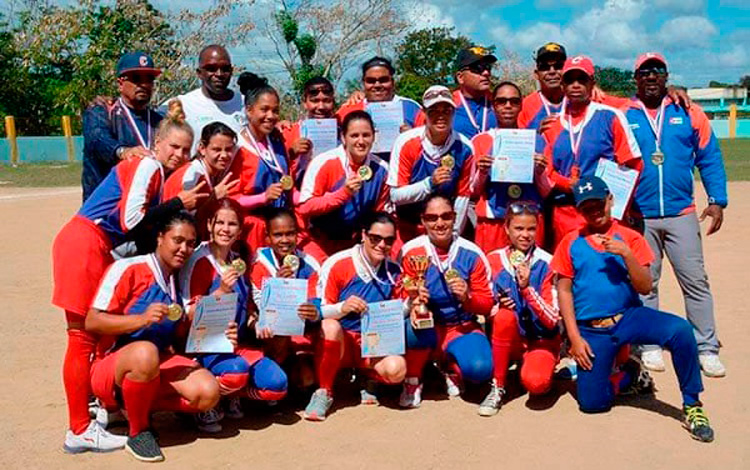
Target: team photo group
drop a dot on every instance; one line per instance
(223, 255)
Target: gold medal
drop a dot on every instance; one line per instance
(408, 283)
(657, 158)
(517, 257)
(452, 274)
(239, 265)
(174, 312)
(292, 261)
(575, 174)
(514, 191)
(365, 172)
(448, 161)
(286, 182)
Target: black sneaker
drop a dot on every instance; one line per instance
(642, 383)
(696, 423)
(144, 447)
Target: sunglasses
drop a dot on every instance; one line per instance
(503, 101)
(549, 66)
(571, 79)
(376, 239)
(445, 216)
(437, 94)
(381, 80)
(217, 68)
(517, 208)
(479, 68)
(313, 92)
(645, 72)
(139, 78)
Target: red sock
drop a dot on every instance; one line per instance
(329, 360)
(77, 377)
(504, 336)
(415, 361)
(174, 402)
(139, 398)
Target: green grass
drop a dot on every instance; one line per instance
(736, 158)
(40, 175)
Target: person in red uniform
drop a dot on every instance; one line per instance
(583, 133)
(494, 197)
(138, 314)
(124, 204)
(525, 321)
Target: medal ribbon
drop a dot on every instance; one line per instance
(657, 124)
(452, 253)
(576, 132)
(371, 271)
(156, 268)
(548, 106)
(266, 154)
(134, 127)
(471, 114)
(433, 153)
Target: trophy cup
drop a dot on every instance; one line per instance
(422, 316)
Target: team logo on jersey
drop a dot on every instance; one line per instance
(675, 120)
(143, 60)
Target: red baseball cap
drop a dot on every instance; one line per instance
(579, 62)
(643, 58)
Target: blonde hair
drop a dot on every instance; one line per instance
(174, 120)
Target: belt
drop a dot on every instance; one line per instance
(605, 322)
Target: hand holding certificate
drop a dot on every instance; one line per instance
(388, 117)
(323, 133)
(513, 156)
(212, 317)
(383, 329)
(280, 300)
(621, 182)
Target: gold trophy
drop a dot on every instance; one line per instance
(422, 316)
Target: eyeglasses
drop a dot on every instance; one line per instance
(376, 239)
(445, 216)
(517, 208)
(549, 66)
(217, 68)
(479, 67)
(437, 94)
(381, 80)
(645, 72)
(501, 101)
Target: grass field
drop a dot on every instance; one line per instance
(736, 157)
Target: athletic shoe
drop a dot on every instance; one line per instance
(452, 385)
(493, 401)
(696, 423)
(653, 360)
(369, 393)
(95, 439)
(143, 446)
(411, 395)
(233, 408)
(106, 418)
(642, 383)
(567, 369)
(208, 421)
(320, 403)
(711, 365)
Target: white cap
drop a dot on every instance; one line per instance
(437, 94)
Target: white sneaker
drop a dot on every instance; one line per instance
(95, 439)
(411, 395)
(106, 418)
(711, 365)
(208, 421)
(653, 360)
(493, 401)
(233, 408)
(452, 385)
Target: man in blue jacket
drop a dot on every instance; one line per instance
(124, 129)
(673, 142)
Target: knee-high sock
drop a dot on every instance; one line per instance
(329, 361)
(415, 361)
(139, 398)
(77, 377)
(505, 338)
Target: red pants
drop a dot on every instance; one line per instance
(539, 356)
(329, 359)
(491, 234)
(565, 219)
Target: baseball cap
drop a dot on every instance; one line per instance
(550, 49)
(589, 187)
(136, 62)
(472, 55)
(643, 58)
(579, 62)
(437, 94)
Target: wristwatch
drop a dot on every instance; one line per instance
(119, 151)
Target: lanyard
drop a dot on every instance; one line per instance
(266, 154)
(156, 268)
(131, 122)
(371, 271)
(576, 132)
(657, 125)
(470, 114)
(452, 253)
(346, 164)
(433, 153)
(548, 106)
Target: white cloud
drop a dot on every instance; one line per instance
(686, 31)
(737, 56)
(680, 6)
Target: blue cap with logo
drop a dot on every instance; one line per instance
(588, 188)
(136, 62)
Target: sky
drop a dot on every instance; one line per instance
(702, 40)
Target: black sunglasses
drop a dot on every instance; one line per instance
(445, 216)
(479, 67)
(645, 72)
(502, 101)
(549, 66)
(373, 80)
(376, 239)
(217, 68)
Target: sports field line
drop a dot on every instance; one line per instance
(40, 194)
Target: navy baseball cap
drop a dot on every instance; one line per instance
(136, 62)
(588, 188)
(472, 55)
(551, 50)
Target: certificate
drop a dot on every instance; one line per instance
(212, 315)
(513, 156)
(621, 182)
(388, 117)
(323, 133)
(383, 329)
(280, 298)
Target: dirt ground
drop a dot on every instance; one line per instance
(639, 433)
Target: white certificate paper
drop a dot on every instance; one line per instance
(212, 315)
(513, 156)
(621, 182)
(383, 329)
(388, 117)
(280, 299)
(323, 133)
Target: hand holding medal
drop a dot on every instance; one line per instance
(456, 284)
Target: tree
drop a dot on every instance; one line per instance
(616, 81)
(304, 48)
(427, 57)
(745, 81)
(715, 84)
